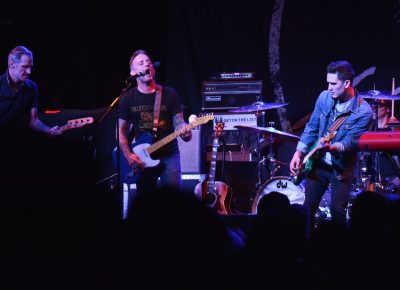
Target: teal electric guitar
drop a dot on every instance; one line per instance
(309, 160)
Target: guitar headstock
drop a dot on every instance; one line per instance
(219, 127)
(75, 123)
(330, 135)
(195, 121)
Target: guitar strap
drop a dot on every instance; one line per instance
(157, 106)
(338, 122)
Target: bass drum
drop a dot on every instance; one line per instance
(283, 185)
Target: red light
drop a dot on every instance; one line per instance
(52, 111)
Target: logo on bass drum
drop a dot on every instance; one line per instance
(281, 184)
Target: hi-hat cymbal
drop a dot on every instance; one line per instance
(378, 95)
(270, 132)
(258, 106)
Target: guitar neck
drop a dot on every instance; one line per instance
(211, 176)
(317, 146)
(67, 127)
(311, 153)
(166, 140)
(76, 123)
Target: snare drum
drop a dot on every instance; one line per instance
(283, 185)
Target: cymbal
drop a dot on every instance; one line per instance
(257, 106)
(379, 95)
(270, 132)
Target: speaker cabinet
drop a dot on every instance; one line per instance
(190, 153)
(225, 95)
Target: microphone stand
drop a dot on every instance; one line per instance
(115, 104)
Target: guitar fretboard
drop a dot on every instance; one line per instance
(172, 136)
(211, 177)
(76, 123)
(166, 140)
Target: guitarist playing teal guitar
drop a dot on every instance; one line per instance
(325, 153)
(314, 155)
(308, 161)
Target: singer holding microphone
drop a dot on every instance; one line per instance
(155, 110)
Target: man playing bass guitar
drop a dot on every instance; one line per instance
(339, 114)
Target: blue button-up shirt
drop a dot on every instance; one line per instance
(322, 118)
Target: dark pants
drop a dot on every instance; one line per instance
(316, 185)
(169, 172)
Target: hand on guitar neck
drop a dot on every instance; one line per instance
(143, 147)
(300, 167)
(71, 124)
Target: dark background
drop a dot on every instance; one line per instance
(82, 49)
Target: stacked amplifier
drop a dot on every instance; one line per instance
(232, 94)
(218, 97)
(239, 170)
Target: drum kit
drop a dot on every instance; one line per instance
(270, 136)
(372, 163)
(365, 180)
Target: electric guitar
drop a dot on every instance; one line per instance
(312, 156)
(76, 123)
(214, 193)
(143, 147)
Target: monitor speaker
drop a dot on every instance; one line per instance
(190, 153)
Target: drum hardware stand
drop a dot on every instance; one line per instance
(392, 118)
(260, 115)
(393, 163)
(376, 185)
(273, 164)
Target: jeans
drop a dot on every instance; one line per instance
(315, 187)
(169, 172)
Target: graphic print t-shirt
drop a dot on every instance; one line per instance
(138, 108)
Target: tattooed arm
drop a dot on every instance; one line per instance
(180, 125)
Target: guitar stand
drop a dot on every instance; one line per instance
(108, 178)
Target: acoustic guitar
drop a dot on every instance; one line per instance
(214, 193)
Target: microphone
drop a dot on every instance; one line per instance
(140, 74)
(133, 78)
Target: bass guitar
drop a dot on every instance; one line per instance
(76, 123)
(143, 147)
(214, 193)
(309, 160)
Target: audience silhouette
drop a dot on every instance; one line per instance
(61, 231)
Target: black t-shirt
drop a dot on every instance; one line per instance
(15, 107)
(138, 108)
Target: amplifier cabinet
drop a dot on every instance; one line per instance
(226, 95)
(190, 153)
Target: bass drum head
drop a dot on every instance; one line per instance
(282, 184)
